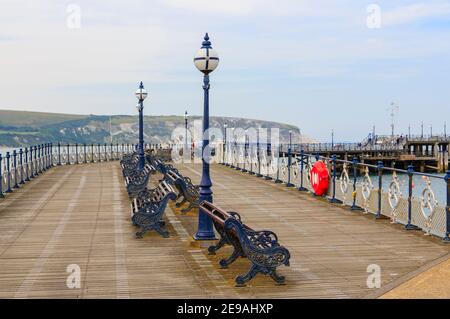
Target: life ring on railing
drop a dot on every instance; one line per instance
(319, 178)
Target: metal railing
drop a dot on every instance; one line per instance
(24, 164)
(405, 196)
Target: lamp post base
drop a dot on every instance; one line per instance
(205, 236)
(446, 239)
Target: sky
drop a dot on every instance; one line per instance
(321, 65)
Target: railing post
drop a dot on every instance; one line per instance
(106, 153)
(355, 175)
(333, 199)
(380, 167)
(92, 153)
(99, 153)
(21, 166)
(27, 179)
(76, 153)
(41, 152)
(289, 184)
(35, 165)
(278, 180)
(44, 157)
(59, 153)
(258, 156)
(302, 169)
(68, 154)
(8, 174)
(1, 177)
(408, 225)
(84, 152)
(447, 208)
(31, 163)
(15, 169)
(51, 155)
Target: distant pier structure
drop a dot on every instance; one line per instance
(425, 153)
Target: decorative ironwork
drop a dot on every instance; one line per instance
(366, 189)
(428, 205)
(394, 196)
(344, 182)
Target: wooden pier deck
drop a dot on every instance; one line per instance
(80, 215)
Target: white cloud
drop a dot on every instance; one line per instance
(415, 12)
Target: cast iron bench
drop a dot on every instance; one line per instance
(186, 189)
(147, 212)
(260, 247)
(137, 180)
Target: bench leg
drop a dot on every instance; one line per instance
(181, 203)
(224, 263)
(159, 230)
(212, 249)
(280, 280)
(243, 279)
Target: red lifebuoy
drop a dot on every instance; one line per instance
(319, 178)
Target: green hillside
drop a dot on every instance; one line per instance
(20, 128)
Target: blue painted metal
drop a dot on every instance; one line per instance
(141, 131)
(245, 154)
(36, 158)
(302, 169)
(8, 174)
(31, 163)
(92, 153)
(68, 154)
(27, 171)
(447, 208)
(16, 185)
(408, 225)
(205, 229)
(289, 184)
(44, 157)
(51, 154)
(258, 156)
(22, 181)
(59, 153)
(380, 167)
(1, 178)
(84, 152)
(76, 153)
(333, 199)
(355, 175)
(278, 180)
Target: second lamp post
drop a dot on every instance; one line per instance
(141, 95)
(206, 60)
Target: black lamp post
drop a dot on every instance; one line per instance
(206, 60)
(141, 95)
